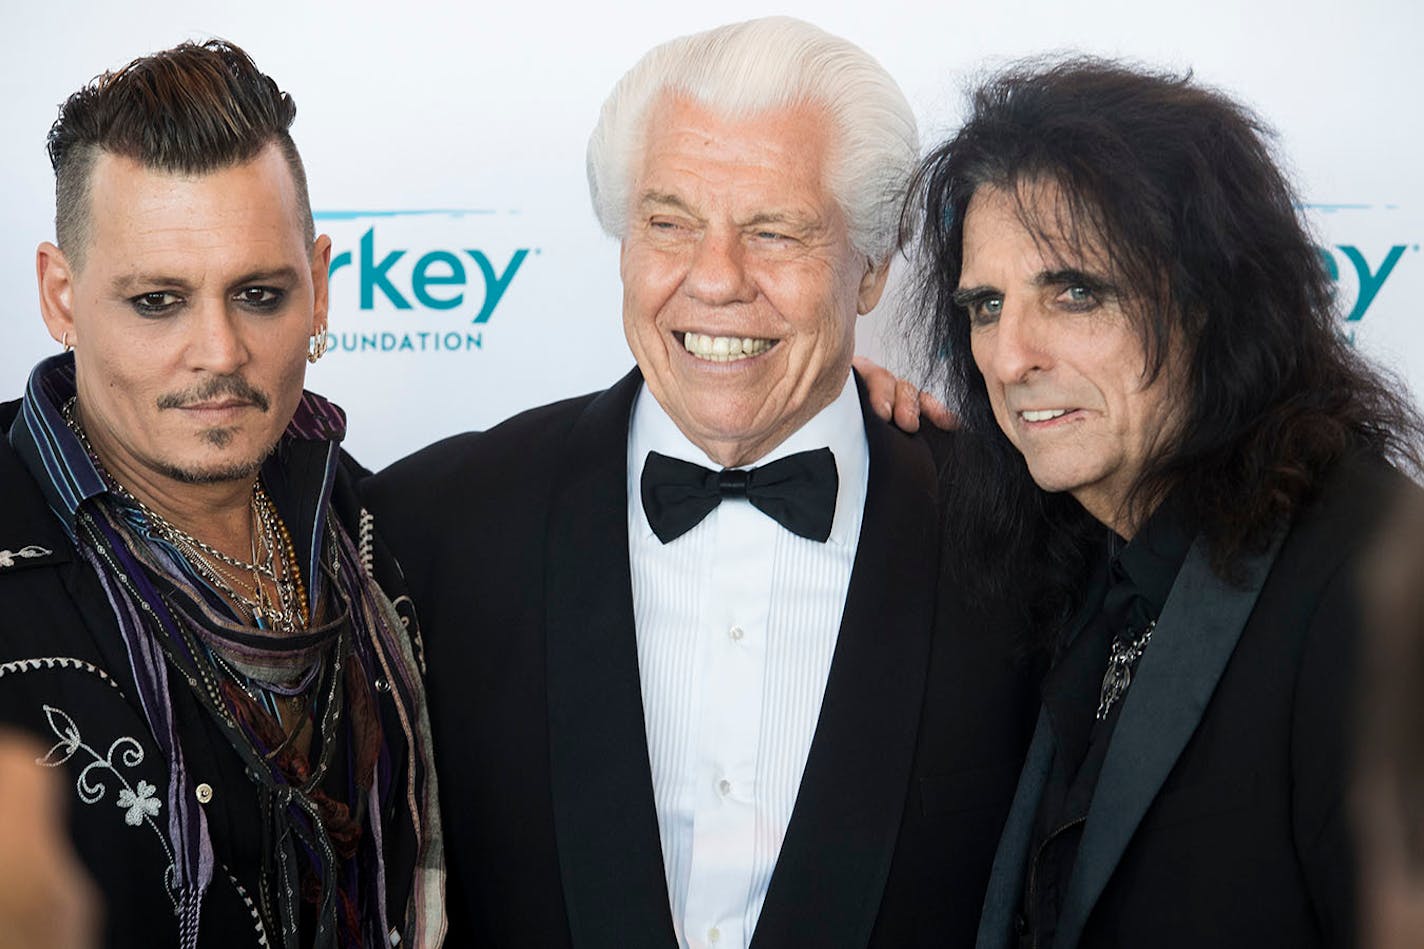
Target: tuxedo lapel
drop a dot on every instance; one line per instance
(1195, 636)
(1011, 859)
(610, 856)
(829, 877)
(1006, 879)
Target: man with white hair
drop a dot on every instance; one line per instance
(694, 675)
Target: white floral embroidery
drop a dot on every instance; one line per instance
(7, 557)
(139, 804)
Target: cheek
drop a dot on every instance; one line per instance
(648, 287)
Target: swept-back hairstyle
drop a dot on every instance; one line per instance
(192, 109)
(1175, 185)
(741, 69)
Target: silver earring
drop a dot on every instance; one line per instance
(64, 341)
(317, 346)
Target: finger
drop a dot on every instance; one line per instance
(879, 386)
(907, 407)
(937, 412)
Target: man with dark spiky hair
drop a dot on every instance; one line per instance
(195, 621)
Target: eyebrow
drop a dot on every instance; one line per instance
(665, 198)
(965, 297)
(130, 283)
(1063, 276)
(804, 223)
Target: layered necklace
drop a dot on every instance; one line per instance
(240, 581)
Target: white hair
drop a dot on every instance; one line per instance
(742, 69)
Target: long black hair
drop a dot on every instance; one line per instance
(1176, 186)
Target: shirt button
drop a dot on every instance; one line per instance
(724, 786)
(736, 633)
(204, 792)
(714, 933)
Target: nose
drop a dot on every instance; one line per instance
(215, 342)
(718, 273)
(1014, 348)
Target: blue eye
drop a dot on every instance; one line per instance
(1079, 297)
(985, 310)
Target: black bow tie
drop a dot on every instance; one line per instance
(798, 492)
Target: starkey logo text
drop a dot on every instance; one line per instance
(441, 297)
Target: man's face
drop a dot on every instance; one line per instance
(1067, 373)
(190, 317)
(740, 284)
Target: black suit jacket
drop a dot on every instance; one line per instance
(1219, 817)
(515, 544)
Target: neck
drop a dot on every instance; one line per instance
(1116, 514)
(219, 513)
(736, 454)
(742, 453)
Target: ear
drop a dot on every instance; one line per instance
(872, 285)
(56, 284)
(321, 282)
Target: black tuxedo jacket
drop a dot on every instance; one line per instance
(1220, 817)
(515, 543)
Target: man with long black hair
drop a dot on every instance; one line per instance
(1177, 459)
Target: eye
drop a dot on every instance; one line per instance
(984, 310)
(260, 298)
(772, 236)
(1078, 297)
(155, 302)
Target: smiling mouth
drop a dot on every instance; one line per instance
(724, 348)
(1042, 415)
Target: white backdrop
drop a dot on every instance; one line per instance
(455, 132)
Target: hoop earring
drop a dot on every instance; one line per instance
(64, 341)
(317, 346)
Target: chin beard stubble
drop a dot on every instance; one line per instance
(236, 387)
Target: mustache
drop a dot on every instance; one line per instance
(234, 386)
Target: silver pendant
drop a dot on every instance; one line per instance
(1121, 661)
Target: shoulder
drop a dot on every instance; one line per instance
(524, 442)
(25, 518)
(1347, 512)
(496, 480)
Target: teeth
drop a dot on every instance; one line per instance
(724, 348)
(1042, 415)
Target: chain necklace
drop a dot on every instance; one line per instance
(288, 613)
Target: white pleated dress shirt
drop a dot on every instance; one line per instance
(736, 623)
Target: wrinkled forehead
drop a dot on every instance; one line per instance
(767, 164)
